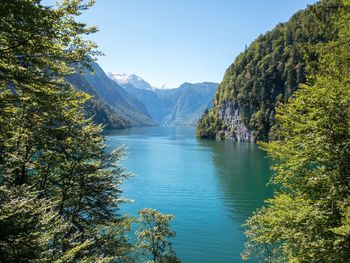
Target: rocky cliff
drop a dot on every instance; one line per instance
(267, 73)
(235, 128)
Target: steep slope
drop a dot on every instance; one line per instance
(189, 101)
(154, 104)
(97, 108)
(111, 100)
(136, 81)
(103, 114)
(182, 106)
(268, 73)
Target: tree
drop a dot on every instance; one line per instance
(209, 126)
(49, 152)
(23, 219)
(268, 72)
(308, 219)
(153, 234)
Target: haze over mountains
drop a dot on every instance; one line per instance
(136, 81)
(180, 106)
(111, 105)
(121, 100)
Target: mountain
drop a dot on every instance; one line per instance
(267, 73)
(103, 114)
(136, 81)
(111, 104)
(181, 106)
(185, 105)
(97, 108)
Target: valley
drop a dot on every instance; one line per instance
(133, 102)
(251, 163)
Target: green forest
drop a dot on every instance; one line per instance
(308, 219)
(60, 187)
(292, 86)
(269, 71)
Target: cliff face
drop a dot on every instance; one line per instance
(111, 105)
(182, 106)
(267, 73)
(235, 128)
(187, 103)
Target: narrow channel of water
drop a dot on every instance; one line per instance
(210, 186)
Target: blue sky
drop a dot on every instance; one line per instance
(175, 41)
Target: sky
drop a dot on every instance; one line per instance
(175, 41)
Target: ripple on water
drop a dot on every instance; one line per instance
(211, 187)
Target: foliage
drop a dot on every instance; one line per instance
(308, 218)
(59, 185)
(116, 102)
(153, 234)
(270, 70)
(103, 114)
(209, 125)
(26, 226)
(96, 108)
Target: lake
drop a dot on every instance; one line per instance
(211, 187)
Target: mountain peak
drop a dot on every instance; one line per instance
(136, 81)
(120, 78)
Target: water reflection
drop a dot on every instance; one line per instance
(210, 186)
(243, 172)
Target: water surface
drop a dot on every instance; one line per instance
(210, 186)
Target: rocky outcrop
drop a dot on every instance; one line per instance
(235, 128)
(267, 73)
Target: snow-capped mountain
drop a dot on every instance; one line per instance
(182, 106)
(136, 81)
(111, 104)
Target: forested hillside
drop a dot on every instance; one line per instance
(111, 105)
(267, 73)
(60, 191)
(96, 108)
(308, 219)
(187, 103)
(182, 106)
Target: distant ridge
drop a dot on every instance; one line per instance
(182, 106)
(111, 104)
(136, 81)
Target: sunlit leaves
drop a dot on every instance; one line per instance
(308, 218)
(153, 236)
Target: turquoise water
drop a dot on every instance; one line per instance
(210, 186)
